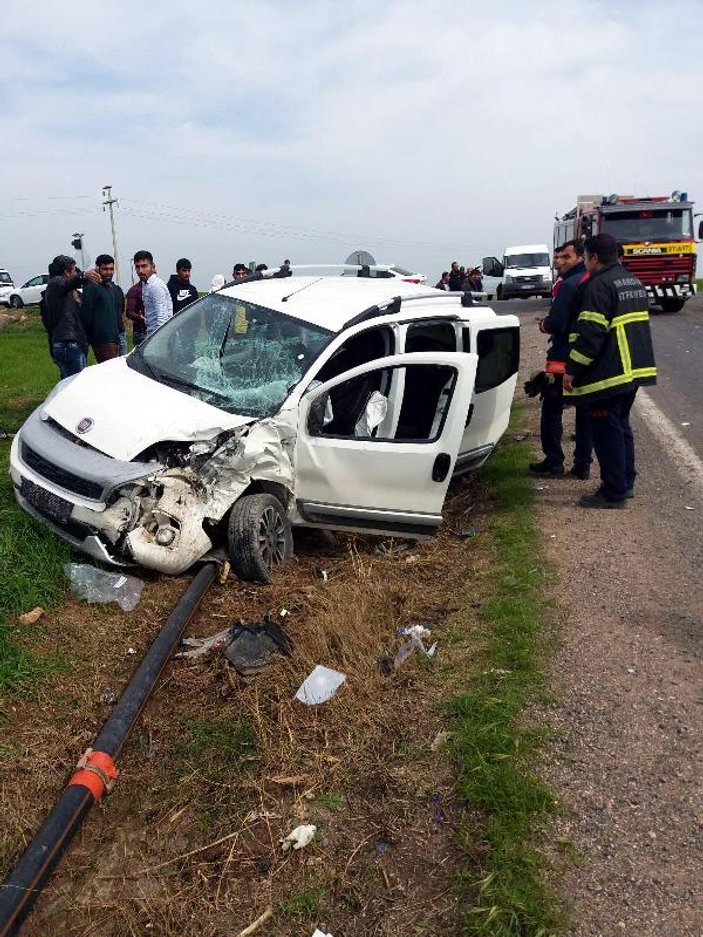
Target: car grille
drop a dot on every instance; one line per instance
(59, 476)
(529, 279)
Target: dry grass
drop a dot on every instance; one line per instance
(219, 769)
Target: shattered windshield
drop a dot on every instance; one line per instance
(232, 354)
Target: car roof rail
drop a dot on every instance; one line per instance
(392, 306)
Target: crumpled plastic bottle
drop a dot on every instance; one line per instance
(96, 585)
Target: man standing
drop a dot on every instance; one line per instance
(135, 313)
(456, 277)
(62, 303)
(610, 356)
(105, 265)
(99, 319)
(443, 283)
(182, 291)
(563, 312)
(158, 307)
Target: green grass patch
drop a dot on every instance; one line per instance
(304, 904)
(31, 556)
(222, 742)
(332, 800)
(496, 750)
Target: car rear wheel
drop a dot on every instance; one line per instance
(259, 537)
(16, 302)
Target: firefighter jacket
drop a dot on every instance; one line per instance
(559, 323)
(610, 348)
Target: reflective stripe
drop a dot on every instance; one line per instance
(572, 337)
(613, 381)
(588, 316)
(578, 357)
(626, 317)
(555, 367)
(624, 348)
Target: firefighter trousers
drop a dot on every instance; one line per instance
(614, 444)
(551, 429)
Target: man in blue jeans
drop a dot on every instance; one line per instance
(69, 342)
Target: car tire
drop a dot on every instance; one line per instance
(672, 305)
(259, 537)
(15, 302)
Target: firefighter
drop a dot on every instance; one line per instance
(610, 356)
(565, 305)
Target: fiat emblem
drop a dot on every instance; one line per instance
(85, 424)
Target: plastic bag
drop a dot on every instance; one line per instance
(96, 585)
(319, 686)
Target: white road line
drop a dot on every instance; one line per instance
(686, 460)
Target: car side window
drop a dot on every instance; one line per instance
(358, 410)
(498, 356)
(430, 336)
(35, 281)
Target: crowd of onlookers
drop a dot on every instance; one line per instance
(461, 279)
(82, 310)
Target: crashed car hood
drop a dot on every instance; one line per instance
(130, 412)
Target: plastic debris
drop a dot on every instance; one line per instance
(689, 508)
(322, 574)
(382, 848)
(468, 532)
(31, 617)
(519, 437)
(284, 613)
(300, 837)
(131, 652)
(248, 647)
(319, 933)
(417, 634)
(685, 424)
(96, 585)
(541, 487)
(320, 686)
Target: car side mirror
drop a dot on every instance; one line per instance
(700, 231)
(492, 267)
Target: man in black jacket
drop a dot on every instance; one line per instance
(182, 291)
(558, 324)
(610, 356)
(62, 307)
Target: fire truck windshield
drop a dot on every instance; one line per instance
(648, 225)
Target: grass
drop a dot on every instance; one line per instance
(495, 748)
(30, 556)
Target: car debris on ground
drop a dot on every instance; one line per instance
(248, 647)
(95, 585)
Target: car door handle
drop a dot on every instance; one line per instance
(441, 467)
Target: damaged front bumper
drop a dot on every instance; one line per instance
(150, 513)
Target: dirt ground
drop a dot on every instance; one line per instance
(628, 715)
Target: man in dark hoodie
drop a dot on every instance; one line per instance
(62, 320)
(558, 324)
(182, 291)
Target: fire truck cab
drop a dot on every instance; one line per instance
(655, 232)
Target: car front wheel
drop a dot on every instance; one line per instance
(259, 537)
(16, 302)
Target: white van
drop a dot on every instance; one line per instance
(525, 271)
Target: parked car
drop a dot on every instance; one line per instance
(333, 402)
(383, 271)
(6, 285)
(30, 292)
(524, 271)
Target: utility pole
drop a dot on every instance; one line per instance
(109, 201)
(77, 244)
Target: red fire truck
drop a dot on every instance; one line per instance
(655, 232)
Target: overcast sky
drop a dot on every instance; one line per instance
(423, 132)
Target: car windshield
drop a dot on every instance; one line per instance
(648, 225)
(232, 354)
(5, 277)
(526, 260)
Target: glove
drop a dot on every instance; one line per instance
(538, 383)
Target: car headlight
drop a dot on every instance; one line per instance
(683, 278)
(509, 278)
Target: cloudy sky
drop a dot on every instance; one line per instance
(423, 132)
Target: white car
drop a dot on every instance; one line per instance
(381, 272)
(333, 402)
(30, 292)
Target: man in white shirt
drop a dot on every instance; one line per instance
(158, 306)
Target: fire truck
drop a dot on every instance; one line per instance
(656, 234)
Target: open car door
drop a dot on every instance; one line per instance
(377, 445)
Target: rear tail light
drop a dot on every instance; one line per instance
(412, 280)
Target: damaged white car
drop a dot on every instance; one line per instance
(334, 402)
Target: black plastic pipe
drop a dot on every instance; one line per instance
(25, 882)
